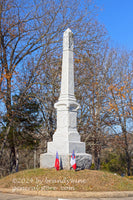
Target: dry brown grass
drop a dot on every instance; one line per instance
(66, 180)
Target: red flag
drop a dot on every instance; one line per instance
(57, 164)
(73, 161)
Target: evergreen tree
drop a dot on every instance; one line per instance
(25, 127)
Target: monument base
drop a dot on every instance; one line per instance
(83, 161)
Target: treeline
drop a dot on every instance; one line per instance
(30, 73)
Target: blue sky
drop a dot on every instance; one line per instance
(117, 16)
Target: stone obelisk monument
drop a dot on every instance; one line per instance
(66, 138)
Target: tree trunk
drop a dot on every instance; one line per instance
(96, 154)
(96, 160)
(12, 159)
(128, 163)
(9, 116)
(17, 160)
(4, 142)
(128, 159)
(35, 158)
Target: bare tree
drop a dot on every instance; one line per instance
(120, 98)
(33, 31)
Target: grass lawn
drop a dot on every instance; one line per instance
(66, 180)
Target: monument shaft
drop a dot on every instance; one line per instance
(67, 80)
(67, 105)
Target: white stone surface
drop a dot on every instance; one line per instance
(67, 106)
(83, 160)
(66, 137)
(66, 147)
(67, 80)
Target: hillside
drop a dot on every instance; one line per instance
(50, 179)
